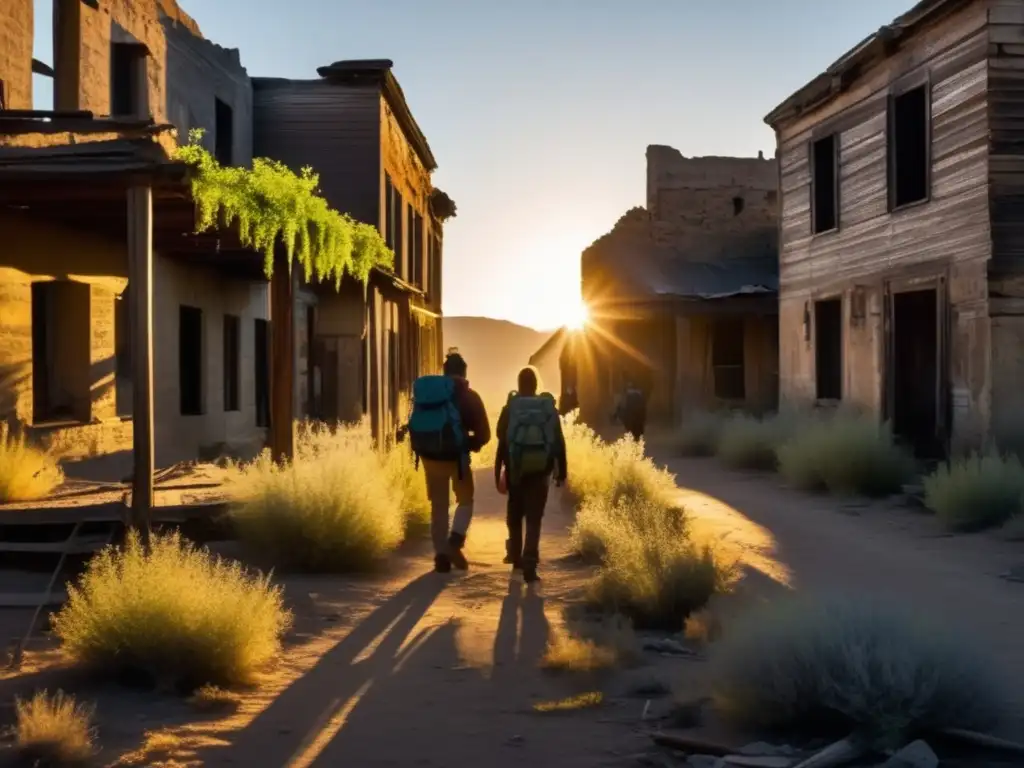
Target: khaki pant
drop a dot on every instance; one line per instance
(442, 476)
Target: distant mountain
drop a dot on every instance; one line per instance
(495, 351)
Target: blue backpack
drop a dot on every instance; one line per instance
(435, 425)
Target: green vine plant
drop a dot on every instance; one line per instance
(270, 203)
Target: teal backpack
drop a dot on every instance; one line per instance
(532, 434)
(435, 425)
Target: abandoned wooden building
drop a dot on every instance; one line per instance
(902, 235)
(682, 293)
(69, 370)
(359, 349)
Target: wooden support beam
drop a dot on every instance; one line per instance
(282, 364)
(140, 276)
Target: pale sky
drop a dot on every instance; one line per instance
(539, 111)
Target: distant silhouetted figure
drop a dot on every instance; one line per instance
(531, 447)
(631, 410)
(448, 422)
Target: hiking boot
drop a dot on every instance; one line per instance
(442, 564)
(458, 560)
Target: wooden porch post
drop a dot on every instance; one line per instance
(282, 362)
(140, 276)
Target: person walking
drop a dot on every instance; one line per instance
(631, 410)
(531, 447)
(448, 423)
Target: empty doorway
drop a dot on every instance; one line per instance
(916, 381)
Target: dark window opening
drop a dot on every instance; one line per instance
(124, 375)
(190, 360)
(828, 348)
(389, 213)
(262, 372)
(364, 373)
(62, 370)
(772, 197)
(401, 258)
(738, 203)
(312, 365)
(127, 79)
(418, 266)
(825, 184)
(727, 359)
(909, 150)
(224, 133)
(3, 96)
(232, 362)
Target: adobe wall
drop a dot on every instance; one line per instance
(16, 34)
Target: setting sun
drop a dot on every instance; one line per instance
(577, 316)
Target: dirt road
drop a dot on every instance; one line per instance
(882, 549)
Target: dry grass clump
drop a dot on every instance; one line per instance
(747, 442)
(175, 615)
(26, 472)
(836, 666)
(699, 433)
(602, 470)
(54, 730)
(651, 571)
(340, 506)
(608, 644)
(976, 492)
(213, 698)
(844, 453)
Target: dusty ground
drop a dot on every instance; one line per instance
(425, 670)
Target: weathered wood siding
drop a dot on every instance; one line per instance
(948, 235)
(335, 129)
(1006, 196)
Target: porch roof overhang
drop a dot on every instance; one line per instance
(84, 187)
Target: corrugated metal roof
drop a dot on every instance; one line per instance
(731, 267)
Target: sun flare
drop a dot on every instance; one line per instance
(577, 316)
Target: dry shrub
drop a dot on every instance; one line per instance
(844, 453)
(976, 492)
(840, 665)
(404, 475)
(593, 647)
(26, 472)
(177, 615)
(652, 572)
(212, 698)
(602, 470)
(340, 506)
(54, 730)
(746, 442)
(699, 433)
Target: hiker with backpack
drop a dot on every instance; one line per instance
(631, 410)
(448, 422)
(531, 447)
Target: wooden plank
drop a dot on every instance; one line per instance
(113, 512)
(140, 272)
(80, 546)
(31, 599)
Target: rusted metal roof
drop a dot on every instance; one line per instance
(875, 47)
(720, 269)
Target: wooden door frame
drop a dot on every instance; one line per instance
(911, 282)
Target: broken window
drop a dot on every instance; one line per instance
(232, 362)
(262, 372)
(128, 80)
(224, 133)
(825, 184)
(727, 359)
(190, 360)
(828, 348)
(909, 150)
(61, 352)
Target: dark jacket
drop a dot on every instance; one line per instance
(557, 463)
(474, 415)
